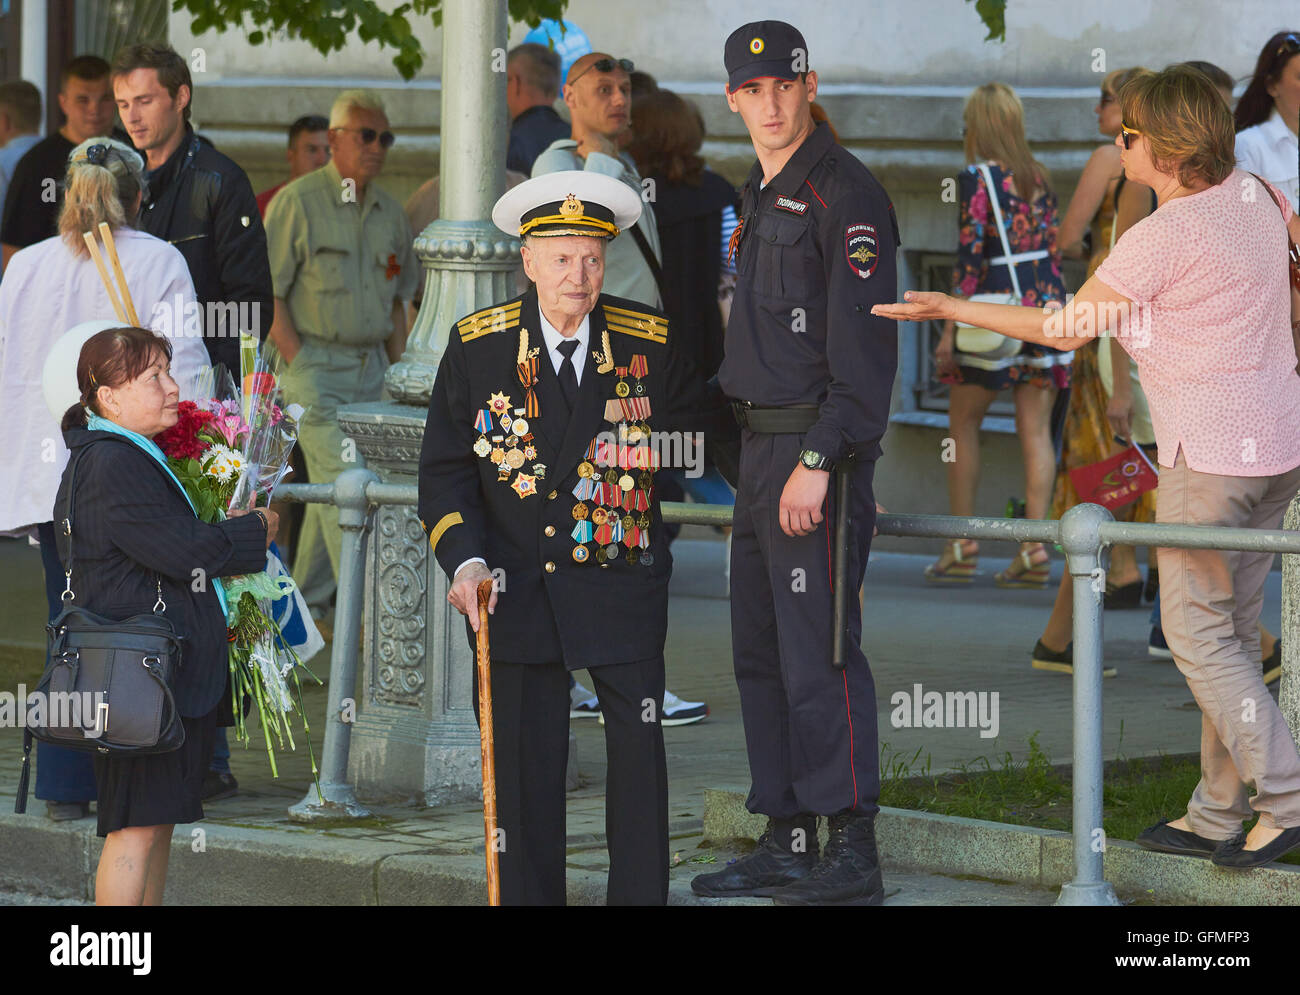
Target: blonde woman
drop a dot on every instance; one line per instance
(995, 137)
(49, 287)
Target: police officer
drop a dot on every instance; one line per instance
(538, 469)
(810, 371)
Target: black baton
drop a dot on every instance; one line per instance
(840, 561)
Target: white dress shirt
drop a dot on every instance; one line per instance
(553, 338)
(1270, 149)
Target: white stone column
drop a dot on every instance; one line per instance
(33, 47)
(415, 735)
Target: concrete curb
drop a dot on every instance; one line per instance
(945, 844)
(239, 865)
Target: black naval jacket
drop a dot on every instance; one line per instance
(552, 606)
(814, 252)
(132, 523)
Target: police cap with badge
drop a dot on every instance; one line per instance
(764, 49)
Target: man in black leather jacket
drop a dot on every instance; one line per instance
(199, 200)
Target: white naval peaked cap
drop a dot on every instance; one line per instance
(570, 202)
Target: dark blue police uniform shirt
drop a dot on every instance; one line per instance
(531, 134)
(816, 249)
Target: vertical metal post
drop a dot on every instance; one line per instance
(1082, 541)
(340, 801)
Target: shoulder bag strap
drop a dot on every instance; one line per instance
(66, 527)
(1114, 221)
(648, 254)
(1002, 231)
(1293, 250)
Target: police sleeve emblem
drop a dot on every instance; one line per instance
(861, 249)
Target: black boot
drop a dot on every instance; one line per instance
(849, 871)
(786, 853)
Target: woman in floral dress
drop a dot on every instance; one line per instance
(995, 135)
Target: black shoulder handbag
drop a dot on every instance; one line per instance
(107, 684)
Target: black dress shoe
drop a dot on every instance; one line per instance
(1234, 854)
(1120, 598)
(847, 874)
(1164, 838)
(770, 867)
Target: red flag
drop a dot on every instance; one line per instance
(1116, 481)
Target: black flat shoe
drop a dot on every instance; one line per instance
(1164, 838)
(1234, 854)
(1062, 663)
(1121, 598)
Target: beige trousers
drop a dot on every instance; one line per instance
(1210, 601)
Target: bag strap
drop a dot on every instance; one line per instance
(1002, 231)
(68, 596)
(1293, 250)
(1114, 220)
(648, 254)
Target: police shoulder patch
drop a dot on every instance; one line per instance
(497, 318)
(861, 249)
(642, 324)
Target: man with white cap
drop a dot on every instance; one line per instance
(538, 470)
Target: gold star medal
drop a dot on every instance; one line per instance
(499, 403)
(525, 485)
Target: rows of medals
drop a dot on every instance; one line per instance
(512, 448)
(617, 475)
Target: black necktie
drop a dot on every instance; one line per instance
(569, 373)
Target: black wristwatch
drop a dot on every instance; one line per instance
(816, 461)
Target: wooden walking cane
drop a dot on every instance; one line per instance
(487, 748)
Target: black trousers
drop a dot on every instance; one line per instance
(810, 729)
(530, 718)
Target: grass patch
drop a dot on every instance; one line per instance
(1136, 793)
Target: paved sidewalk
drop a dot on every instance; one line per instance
(945, 639)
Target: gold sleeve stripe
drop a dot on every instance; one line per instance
(493, 319)
(636, 316)
(641, 332)
(444, 523)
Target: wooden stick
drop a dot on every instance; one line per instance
(93, 246)
(487, 747)
(106, 233)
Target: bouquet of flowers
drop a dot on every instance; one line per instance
(228, 450)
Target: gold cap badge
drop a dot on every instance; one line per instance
(756, 45)
(572, 207)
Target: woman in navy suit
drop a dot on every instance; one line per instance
(136, 539)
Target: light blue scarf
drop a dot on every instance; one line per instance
(98, 424)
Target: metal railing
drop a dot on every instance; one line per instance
(1084, 532)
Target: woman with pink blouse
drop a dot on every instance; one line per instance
(1199, 296)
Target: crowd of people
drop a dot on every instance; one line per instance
(323, 270)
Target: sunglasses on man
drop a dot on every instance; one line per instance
(605, 66)
(368, 135)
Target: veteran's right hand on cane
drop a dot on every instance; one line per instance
(463, 595)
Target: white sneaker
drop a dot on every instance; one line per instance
(582, 703)
(682, 713)
(676, 712)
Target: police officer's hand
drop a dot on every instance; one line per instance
(802, 500)
(463, 595)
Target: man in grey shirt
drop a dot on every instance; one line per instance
(598, 93)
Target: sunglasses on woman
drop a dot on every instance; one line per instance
(368, 135)
(1125, 131)
(1290, 43)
